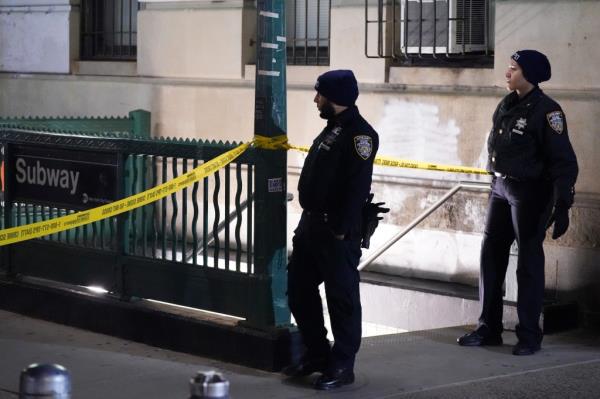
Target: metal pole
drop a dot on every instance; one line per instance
(269, 304)
(418, 220)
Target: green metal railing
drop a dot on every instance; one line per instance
(136, 124)
(195, 248)
(197, 224)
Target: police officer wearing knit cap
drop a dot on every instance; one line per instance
(534, 168)
(334, 184)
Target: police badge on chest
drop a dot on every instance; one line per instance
(330, 138)
(520, 126)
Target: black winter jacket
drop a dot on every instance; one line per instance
(529, 140)
(337, 172)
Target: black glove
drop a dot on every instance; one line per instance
(560, 218)
(370, 219)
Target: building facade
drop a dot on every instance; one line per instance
(428, 88)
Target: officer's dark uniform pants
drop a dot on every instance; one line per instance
(516, 210)
(318, 257)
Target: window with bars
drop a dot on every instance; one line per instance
(308, 31)
(108, 29)
(431, 32)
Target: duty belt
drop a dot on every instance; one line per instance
(505, 176)
(320, 216)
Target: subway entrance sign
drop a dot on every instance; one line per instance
(67, 178)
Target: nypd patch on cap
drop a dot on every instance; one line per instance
(535, 65)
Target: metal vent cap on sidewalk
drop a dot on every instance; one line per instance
(50, 381)
(209, 384)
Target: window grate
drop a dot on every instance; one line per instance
(109, 29)
(471, 23)
(308, 31)
(430, 32)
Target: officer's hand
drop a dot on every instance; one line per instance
(338, 236)
(373, 210)
(371, 219)
(560, 218)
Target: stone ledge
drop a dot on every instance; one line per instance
(267, 349)
(105, 68)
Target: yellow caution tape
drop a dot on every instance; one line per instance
(404, 163)
(281, 143)
(272, 143)
(39, 229)
(43, 228)
(276, 143)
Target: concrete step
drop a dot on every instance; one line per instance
(391, 304)
(160, 325)
(414, 304)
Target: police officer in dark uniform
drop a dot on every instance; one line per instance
(333, 188)
(535, 169)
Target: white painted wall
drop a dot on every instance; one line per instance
(38, 36)
(191, 42)
(347, 44)
(566, 31)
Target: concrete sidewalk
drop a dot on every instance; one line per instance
(425, 364)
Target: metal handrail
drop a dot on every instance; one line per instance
(419, 219)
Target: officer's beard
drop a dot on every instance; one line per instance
(327, 111)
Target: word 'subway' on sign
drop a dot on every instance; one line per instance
(43, 176)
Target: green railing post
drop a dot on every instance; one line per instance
(141, 123)
(140, 128)
(269, 301)
(7, 264)
(120, 288)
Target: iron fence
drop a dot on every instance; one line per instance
(195, 247)
(201, 225)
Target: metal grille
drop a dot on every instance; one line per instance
(208, 224)
(434, 30)
(101, 234)
(198, 247)
(109, 29)
(308, 32)
(471, 26)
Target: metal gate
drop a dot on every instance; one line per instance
(197, 247)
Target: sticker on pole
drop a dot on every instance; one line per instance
(275, 185)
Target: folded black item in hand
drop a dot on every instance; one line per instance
(370, 219)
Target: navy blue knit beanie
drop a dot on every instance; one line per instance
(535, 65)
(338, 86)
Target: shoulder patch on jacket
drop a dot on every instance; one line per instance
(363, 145)
(556, 121)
